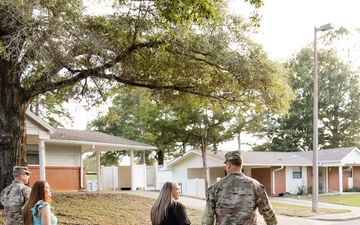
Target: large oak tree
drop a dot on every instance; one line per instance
(173, 48)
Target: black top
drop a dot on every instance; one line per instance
(176, 215)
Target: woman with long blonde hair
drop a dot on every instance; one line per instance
(37, 210)
(166, 209)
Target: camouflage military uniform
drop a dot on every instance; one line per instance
(13, 197)
(233, 201)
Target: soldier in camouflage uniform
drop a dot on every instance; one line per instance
(233, 200)
(14, 196)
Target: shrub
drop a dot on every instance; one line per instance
(301, 190)
(354, 189)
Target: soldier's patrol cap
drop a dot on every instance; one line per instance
(233, 155)
(23, 169)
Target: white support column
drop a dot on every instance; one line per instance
(42, 157)
(98, 170)
(326, 188)
(119, 177)
(350, 179)
(81, 171)
(340, 180)
(82, 166)
(145, 173)
(42, 162)
(156, 174)
(132, 169)
(102, 178)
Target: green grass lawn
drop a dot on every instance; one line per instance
(83, 208)
(350, 199)
(343, 199)
(302, 211)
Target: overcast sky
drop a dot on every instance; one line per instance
(288, 25)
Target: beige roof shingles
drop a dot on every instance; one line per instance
(83, 136)
(252, 158)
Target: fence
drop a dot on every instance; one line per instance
(118, 178)
(147, 178)
(110, 177)
(194, 187)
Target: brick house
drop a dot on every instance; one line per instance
(279, 172)
(56, 154)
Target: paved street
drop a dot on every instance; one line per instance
(351, 218)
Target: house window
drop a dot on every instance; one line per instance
(32, 154)
(297, 173)
(350, 173)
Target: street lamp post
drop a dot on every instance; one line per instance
(315, 187)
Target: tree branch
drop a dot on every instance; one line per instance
(43, 84)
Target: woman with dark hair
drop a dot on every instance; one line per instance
(37, 210)
(166, 210)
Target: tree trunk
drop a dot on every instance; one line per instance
(205, 168)
(12, 123)
(160, 157)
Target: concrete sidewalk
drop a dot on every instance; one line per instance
(353, 215)
(340, 218)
